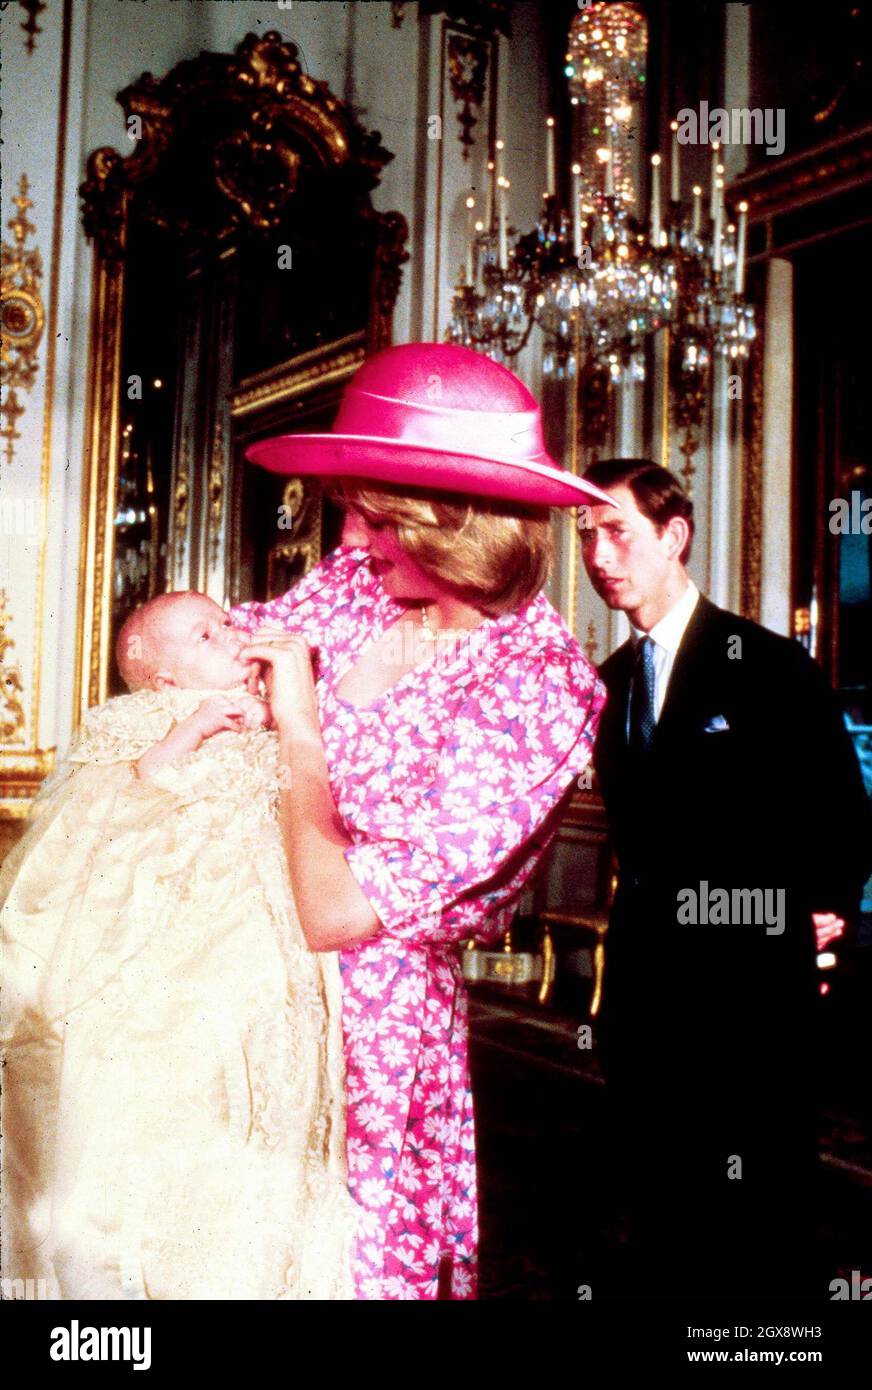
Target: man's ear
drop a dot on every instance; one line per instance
(161, 679)
(678, 532)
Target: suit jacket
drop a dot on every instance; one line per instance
(750, 782)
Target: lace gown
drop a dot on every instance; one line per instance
(173, 1110)
(446, 786)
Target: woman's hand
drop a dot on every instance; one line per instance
(290, 683)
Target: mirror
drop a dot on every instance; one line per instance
(240, 275)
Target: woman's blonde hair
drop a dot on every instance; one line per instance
(496, 555)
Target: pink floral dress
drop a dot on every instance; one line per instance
(446, 785)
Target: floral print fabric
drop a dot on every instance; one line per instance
(447, 785)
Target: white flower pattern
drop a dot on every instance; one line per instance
(446, 785)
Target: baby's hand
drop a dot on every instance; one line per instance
(221, 712)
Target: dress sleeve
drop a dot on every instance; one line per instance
(516, 746)
(333, 575)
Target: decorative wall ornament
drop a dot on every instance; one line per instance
(12, 718)
(22, 315)
(468, 61)
(29, 25)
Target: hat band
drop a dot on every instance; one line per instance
(515, 436)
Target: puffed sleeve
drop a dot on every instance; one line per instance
(334, 575)
(518, 742)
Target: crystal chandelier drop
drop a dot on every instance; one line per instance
(597, 281)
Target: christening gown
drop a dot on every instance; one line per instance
(173, 1085)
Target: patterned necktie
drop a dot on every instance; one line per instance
(642, 719)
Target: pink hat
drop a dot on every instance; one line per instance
(433, 415)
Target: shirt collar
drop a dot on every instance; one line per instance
(670, 629)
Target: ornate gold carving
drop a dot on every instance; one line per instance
(297, 554)
(256, 111)
(592, 642)
(33, 8)
(468, 61)
(12, 718)
(322, 366)
(215, 487)
(22, 315)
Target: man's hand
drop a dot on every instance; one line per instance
(827, 927)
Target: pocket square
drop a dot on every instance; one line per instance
(716, 725)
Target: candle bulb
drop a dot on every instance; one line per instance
(655, 199)
(501, 223)
(470, 241)
(719, 216)
(697, 209)
(576, 210)
(740, 248)
(550, 180)
(675, 167)
(500, 146)
(715, 147)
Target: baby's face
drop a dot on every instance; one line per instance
(198, 646)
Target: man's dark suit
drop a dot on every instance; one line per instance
(708, 1032)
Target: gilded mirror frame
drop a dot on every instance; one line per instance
(281, 110)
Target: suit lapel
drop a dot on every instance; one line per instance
(686, 684)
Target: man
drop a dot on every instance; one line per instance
(737, 812)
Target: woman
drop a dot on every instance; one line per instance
(426, 761)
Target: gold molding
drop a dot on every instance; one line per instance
(23, 316)
(321, 366)
(13, 720)
(21, 776)
(99, 485)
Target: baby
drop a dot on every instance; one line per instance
(173, 1097)
(185, 641)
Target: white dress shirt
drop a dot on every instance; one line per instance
(666, 636)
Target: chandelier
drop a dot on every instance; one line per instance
(597, 280)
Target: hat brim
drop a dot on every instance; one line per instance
(393, 461)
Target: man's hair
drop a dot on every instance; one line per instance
(657, 493)
(496, 555)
